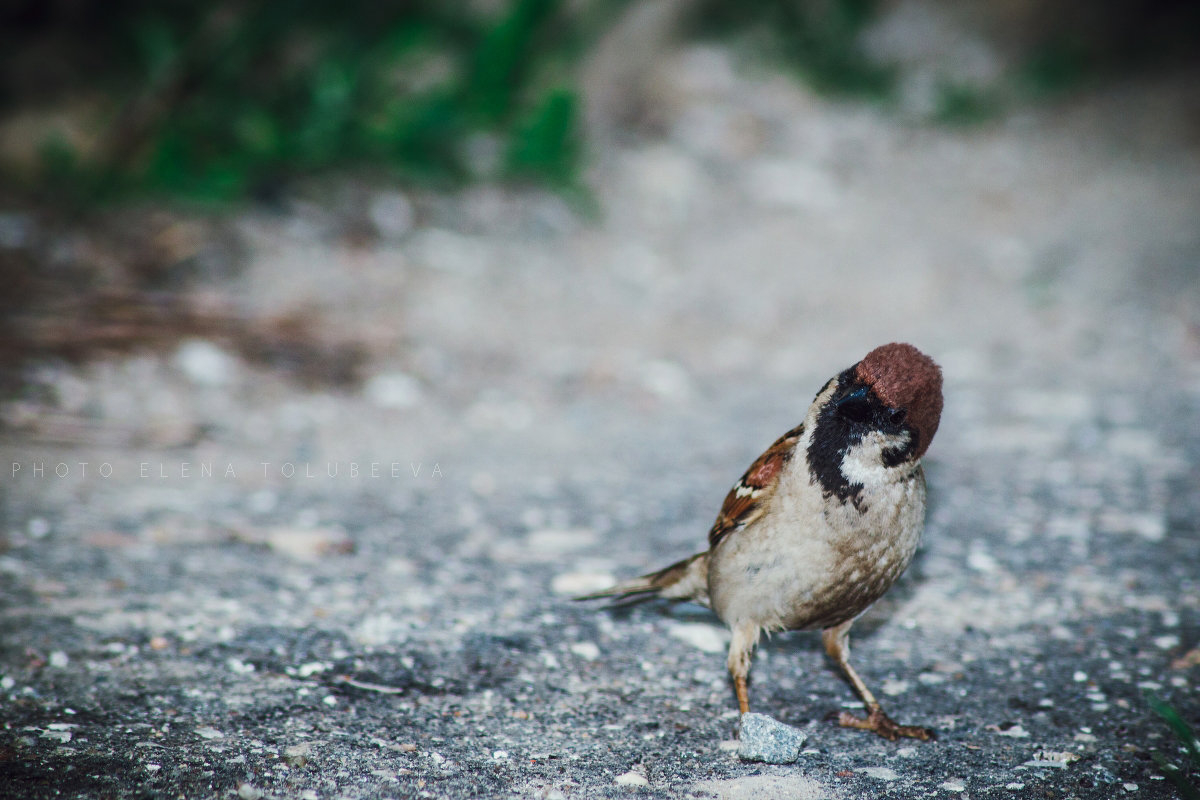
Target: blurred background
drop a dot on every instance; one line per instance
(133, 134)
(143, 129)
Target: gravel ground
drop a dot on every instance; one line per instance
(265, 590)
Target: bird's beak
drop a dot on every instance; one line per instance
(855, 406)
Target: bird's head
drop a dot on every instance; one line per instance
(878, 414)
(896, 385)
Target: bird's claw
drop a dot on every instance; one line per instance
(883, 725)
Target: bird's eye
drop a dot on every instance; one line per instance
(896, 415)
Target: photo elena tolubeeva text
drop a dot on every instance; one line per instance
(186, 470)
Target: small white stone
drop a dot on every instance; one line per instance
(329, 700)
(1064, 757)
(880, 773)
(209, 733)
(59, 659)
(893, 687)
(297, 755)
(1166, 642)
(393, 390)
(588, 651)
(549, 542)
(204, 364)
(500, 755)
(1080, 676)
(238, 667)
(248, 792)
(708, 638)
(1015, 732)
(579, 583)
(1129, 787)
(980, 561)
(631, 778)
(955, 785)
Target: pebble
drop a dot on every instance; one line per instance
(880, 773)
(1015, 732)
(955, 785)
(766, 739)
(305, 544)
(631, 778)
(579, 583)
(297, 755)
(588, 651)
(393, 390)
(705, 637)
(204, 364)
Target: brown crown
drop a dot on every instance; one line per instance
(904, 377)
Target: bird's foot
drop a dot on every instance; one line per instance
(885, 726)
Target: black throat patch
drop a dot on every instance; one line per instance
(835, 433)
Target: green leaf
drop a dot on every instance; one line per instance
(545, 144)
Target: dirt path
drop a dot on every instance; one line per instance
(551, 401)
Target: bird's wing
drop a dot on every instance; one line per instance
(747, 500)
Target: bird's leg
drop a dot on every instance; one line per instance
(741, 646)
(837, 645)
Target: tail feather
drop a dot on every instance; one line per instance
(683, 580)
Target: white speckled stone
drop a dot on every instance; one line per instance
(764, 738)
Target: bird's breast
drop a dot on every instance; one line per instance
(813, 561)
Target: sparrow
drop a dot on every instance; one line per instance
(821, 524)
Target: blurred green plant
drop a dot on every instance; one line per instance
(1188, 743)
(1056, 67)
(964, 104)
(215, 99)
(218, 101)
(818, 38)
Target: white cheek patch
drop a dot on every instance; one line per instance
(863, 463)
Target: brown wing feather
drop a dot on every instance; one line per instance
(746, 501)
